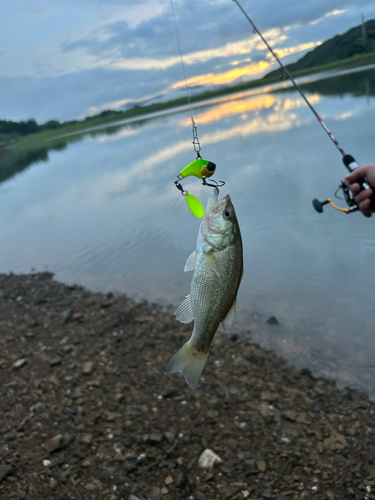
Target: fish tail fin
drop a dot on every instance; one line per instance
(189, 362)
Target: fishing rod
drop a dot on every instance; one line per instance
(347, 159)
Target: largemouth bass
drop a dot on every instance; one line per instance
(217, 263)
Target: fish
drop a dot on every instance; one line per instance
(217, 265)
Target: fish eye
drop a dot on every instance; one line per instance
(227, 213)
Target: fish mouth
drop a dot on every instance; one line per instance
(220, 204)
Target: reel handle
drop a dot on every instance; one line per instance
(318, 205)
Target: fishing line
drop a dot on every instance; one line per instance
(347, 159)
(197, 146)
(200, 168)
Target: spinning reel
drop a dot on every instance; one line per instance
(350, 164)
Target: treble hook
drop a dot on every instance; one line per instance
(212, 183)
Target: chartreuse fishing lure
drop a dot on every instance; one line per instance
(202, 169)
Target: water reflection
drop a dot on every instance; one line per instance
(358, 84)
(105, 213)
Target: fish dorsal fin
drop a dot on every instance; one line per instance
(212, 262)
(227, 322)
(190, 263)
(184, 312)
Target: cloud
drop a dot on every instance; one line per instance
(225, 78)
(98, 54)
(329, 14)
(286, 51)
(201, 56)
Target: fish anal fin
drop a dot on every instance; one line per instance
(184, 312)
(189, 362)
(190, 263)
(227, 322)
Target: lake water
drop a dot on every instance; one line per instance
(104, 212)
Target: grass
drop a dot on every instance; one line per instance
(52, 138)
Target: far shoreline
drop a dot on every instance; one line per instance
(12, 150)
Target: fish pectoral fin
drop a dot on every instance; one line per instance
(184, 312)
(190, 263)
(212, 262)
(227, 322)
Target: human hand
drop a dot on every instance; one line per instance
(363, 198)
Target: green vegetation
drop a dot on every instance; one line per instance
(336, 50)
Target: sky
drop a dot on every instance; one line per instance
(69, 59)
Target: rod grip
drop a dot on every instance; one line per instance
(350, 162)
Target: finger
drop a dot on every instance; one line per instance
(358, 173)
(355, 188)
(363, 195)
(364, 206)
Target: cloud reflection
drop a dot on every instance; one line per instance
(281, 119)
(250, 104)
(234, 108)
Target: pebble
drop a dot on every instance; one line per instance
(59, 441)
(19, 363)
(156, 436)
(180, 480)
(368, 470)
(168, 480)
(272, 320)
(87, 439)
(5, 470)
(55, 361)
(87, 367)
(9, 436)
(53, 483)
(289, 415)
(208, 459)
(261, 466)
(170, 437)
(66, 315)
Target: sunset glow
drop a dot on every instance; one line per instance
(291, 50)
(250, 69)
(235, 108)
(222, 78)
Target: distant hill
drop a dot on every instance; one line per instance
(339, 47)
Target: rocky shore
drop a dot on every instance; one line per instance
(87, 410)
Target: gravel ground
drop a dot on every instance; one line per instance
(87, 410)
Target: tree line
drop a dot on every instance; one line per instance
(31, 126)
